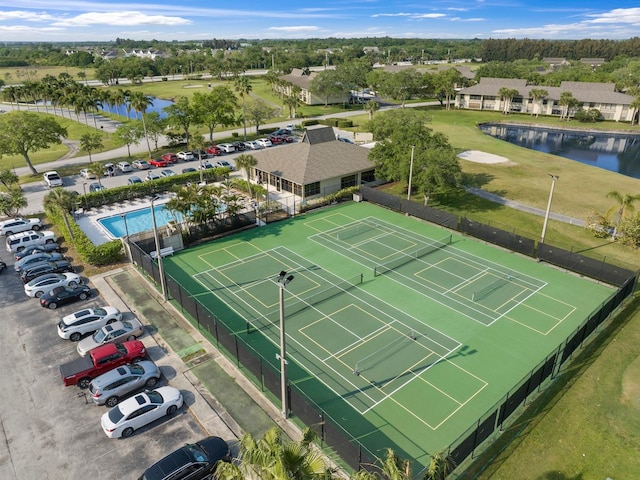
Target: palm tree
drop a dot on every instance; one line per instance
(272, 458)
(440, 466)
(242, 85)
(64, 201)
(567, 102)
(507, 95)
(198, 143)
(119, 97)
(139, 102)
(537, 94)
(371, 106)
(246, 162)
(635, 107)
(624, 205)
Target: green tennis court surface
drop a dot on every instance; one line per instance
(403, 332)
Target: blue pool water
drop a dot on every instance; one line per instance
(137, 221)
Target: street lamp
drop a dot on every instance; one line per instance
(283, 281)
(84, 189)
(546, 215)
(413, 147)
(158, 254)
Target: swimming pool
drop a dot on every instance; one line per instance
(135, 221)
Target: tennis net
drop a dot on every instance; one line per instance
(384, 353)
(492, 287)
(299, 304)
(357, 229)
(407, 257)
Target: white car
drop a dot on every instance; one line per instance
(151, 176)
(167, 173)
(47, 282)
(224, 164)
(87, 174)
(19, 224)
(52, 179)
(264, 142)
(19, 241)
(140, 410)
(186, 156)
(74, 326)
(124, 167)
(122, 331)
(252, 145)
(141, 165)
(227, 147)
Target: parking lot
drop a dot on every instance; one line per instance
(51, 431)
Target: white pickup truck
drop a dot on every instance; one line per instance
(52, 179)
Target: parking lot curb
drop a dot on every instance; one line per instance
(213, 421)
(207, 411)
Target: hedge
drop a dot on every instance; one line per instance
(147, 188)
(98, 255)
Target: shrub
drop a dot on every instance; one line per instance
(306, 123)
(98, 255)
(598, 225)
(345, 124)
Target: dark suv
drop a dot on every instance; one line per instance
(194, 461)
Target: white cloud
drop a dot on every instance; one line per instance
(120, 19)
(619, 15)
(26, 16)
(299, 28)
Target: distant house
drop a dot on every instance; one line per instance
(554, 62)
(316, 166)
(602, 96)
(593, 62)
(303, 79)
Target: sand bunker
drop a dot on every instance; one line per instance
(482, 157)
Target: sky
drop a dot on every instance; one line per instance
(78, 21)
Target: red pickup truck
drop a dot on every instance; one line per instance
(100, 360)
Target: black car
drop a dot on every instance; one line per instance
(46, 248)
(239, 146)
(63, 295)
(189, 170)
(194, 461)
(197, 154)
(40, 268)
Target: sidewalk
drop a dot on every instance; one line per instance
(225, 403)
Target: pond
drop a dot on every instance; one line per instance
(611, 151)
(157, 106)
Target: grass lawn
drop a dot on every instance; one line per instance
(586, 426)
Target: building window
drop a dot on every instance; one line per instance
(350, 181)
(475, 97)
(287, 186)
(311, 189)
(369, 176)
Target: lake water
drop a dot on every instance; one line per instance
(615, 152)
(157, 106)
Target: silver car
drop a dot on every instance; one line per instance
(110, 387)
(115, 332)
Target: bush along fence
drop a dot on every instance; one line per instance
(262, 369)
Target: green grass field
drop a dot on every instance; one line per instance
(409, 358)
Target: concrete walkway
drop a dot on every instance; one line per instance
(226, 403)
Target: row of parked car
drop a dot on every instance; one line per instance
(112, 362)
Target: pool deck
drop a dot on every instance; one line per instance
(88, 221)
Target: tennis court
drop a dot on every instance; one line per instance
(403, 332)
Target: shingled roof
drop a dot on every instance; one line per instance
(318, 156)
(582, 91)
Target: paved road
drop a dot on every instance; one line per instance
(35, 192)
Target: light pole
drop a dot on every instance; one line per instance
(413, 147)
(158, 254)
(282, 281)
(84, 189)
(546, 215)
